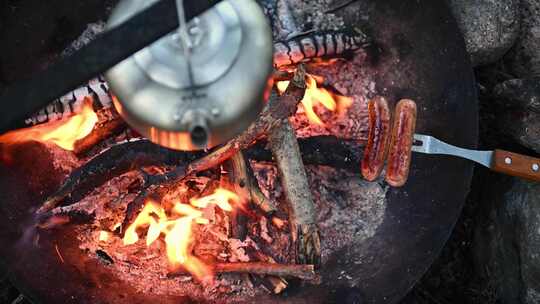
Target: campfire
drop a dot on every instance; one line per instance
(106, 215)
(194, 219)
(249, 217)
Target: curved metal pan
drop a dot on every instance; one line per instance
(421, 55)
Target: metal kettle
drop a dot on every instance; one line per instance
(201, 85)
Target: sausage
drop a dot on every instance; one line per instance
(399, 156)
(318, 45)
(377, 145)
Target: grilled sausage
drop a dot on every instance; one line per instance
(318, 44)
(399, 157)
(377, 145)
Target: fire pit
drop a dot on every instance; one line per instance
(114, 228)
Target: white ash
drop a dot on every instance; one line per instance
(313, 15)
(349, 209)
(90, 33)
(238, 251)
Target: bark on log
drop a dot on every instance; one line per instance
(246, 183)
(304, 232)
(237, 177)
(303, 272)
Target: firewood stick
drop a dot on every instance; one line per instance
(303, 272)
(237, 177)
(305, 234)
(109, 124)
(242, 176)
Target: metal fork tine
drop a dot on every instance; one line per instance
(431, 145)
(423, 147)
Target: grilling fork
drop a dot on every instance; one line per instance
(498, 160)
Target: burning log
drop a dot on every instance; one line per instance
(304, 232)
(319, 45)
(303, 272)
(109, 124)
(111, 163)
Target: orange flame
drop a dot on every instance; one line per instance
(282, 86)
(315, 95)
(177, 228)
(104, 236)
(64, 133)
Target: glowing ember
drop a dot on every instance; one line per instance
(63, 133)
(282, 86)
(316, 95)
(177, 228)
(104, 236)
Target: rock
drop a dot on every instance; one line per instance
(521, 93)
(508, 240)
(490, 27)
(520, 113)
(524, 58)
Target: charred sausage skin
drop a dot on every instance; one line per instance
(379, 133)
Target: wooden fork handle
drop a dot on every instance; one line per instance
(516, 165)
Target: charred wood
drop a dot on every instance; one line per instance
(318, 150)
(246, 179)
(111, 163)
(319, 45)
